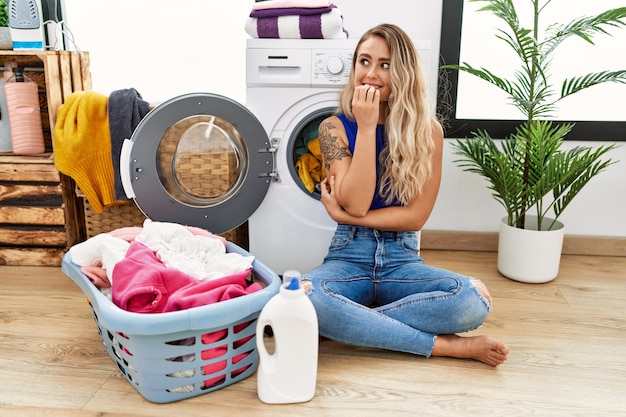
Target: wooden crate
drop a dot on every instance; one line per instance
(57, 74)
(40, 214)
(32, 213)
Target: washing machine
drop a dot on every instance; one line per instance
(206, 160)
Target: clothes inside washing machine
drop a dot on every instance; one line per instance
(308, 156)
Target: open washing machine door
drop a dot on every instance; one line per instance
(199, 159)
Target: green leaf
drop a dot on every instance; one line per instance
(574, 85)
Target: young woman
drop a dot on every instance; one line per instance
(383, 152)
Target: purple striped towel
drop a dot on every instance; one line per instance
(318, 26)
(291, 11)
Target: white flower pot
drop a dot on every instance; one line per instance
(529, 255)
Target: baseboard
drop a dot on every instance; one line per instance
(488, 242)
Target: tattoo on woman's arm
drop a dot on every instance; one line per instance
(331, 149)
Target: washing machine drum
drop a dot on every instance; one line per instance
(199, 160)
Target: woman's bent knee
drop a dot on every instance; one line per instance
(482, 288)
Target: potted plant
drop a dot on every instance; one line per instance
(529, 172)
(5, 32)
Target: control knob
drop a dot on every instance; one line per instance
(334, 65)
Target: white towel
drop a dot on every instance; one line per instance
(201, 257)
(102, 249)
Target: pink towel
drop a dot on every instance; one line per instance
(281, 4)
(144, 285)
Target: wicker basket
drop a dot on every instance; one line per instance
(173, 356)
(128, 214)
(113, 217)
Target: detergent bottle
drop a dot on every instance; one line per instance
(5, 126)
(289, 374)
(22, 95)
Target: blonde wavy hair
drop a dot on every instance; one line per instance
(409, 145)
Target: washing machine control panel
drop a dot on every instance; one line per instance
(331, 67)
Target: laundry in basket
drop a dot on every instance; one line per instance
(176, 355)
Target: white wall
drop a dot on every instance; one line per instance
(164, 49)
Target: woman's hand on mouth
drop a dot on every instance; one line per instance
(365, 105)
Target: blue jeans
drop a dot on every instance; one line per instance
(373, 289)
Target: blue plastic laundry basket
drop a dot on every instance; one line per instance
(172, 356)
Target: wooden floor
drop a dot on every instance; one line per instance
(567, 340)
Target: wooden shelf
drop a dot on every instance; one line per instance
(40, 214)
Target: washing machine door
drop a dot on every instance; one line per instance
(199, 160)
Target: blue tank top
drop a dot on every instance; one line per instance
(351, 128)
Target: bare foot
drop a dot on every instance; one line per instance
(485, 349)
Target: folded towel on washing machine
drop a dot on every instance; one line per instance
(292, 11)
(280, 4)
(317, 26)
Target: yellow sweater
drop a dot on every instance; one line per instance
(82, 146)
